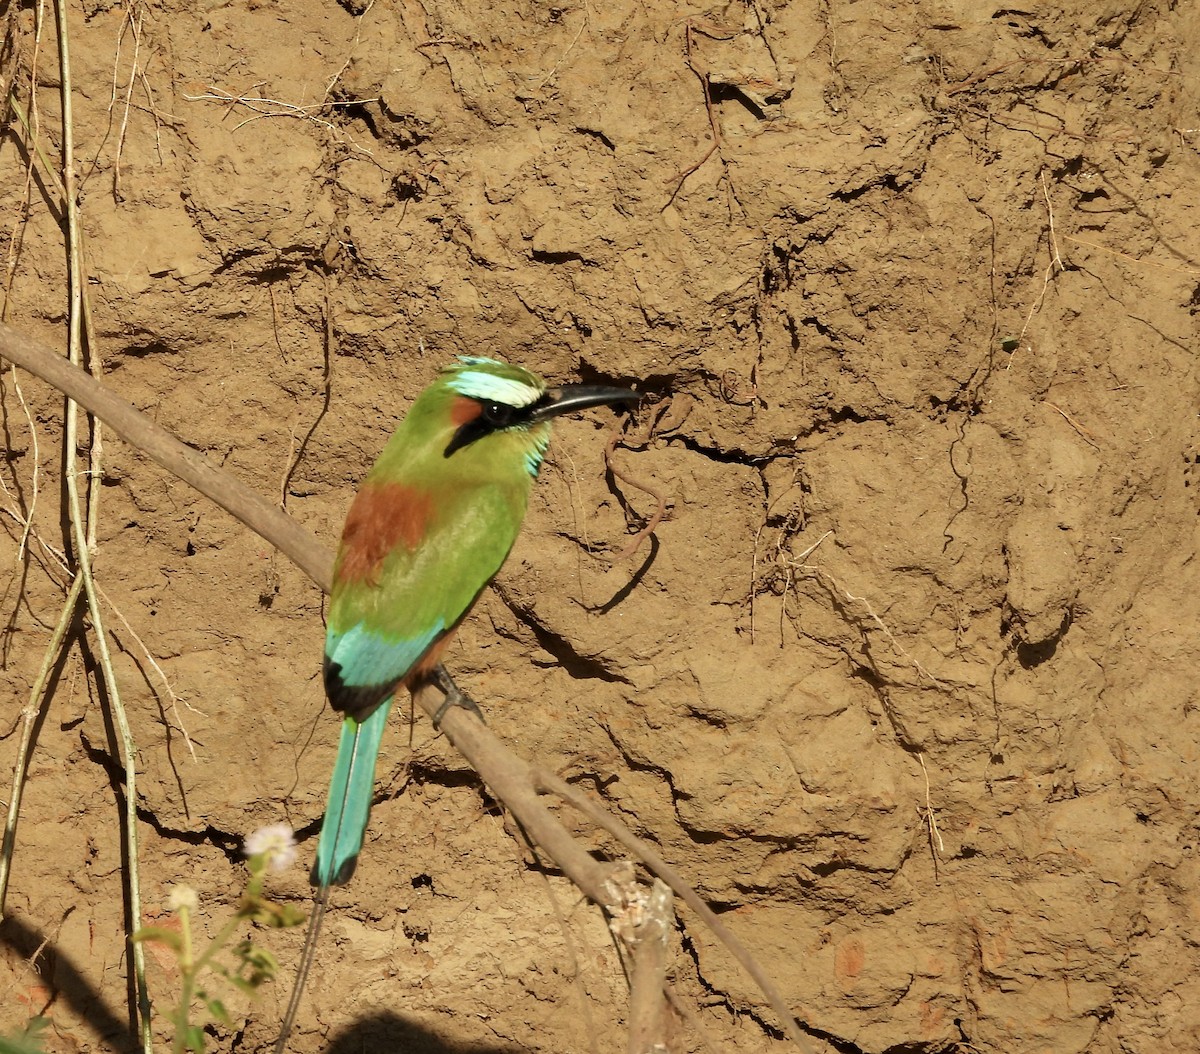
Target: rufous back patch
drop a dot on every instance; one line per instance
(382, 517)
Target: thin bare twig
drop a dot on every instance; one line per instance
(83, 525)
(605, 820)
(645, 928)
(1084, 434)
(263, 107)
(60, 558)
(691, 27)
(929, 816)
(1055, 265)
(135, 26)
(1050, 213)
(358, 24)
(29, 715)
(35, 474)
(655, 519)
(261, 516)
(32, 129)
(587, 19)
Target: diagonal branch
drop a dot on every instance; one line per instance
(512, 780)
(241, 501)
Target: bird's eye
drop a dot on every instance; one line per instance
(498, 415)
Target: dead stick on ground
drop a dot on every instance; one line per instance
(512, 780)
(1084, 434)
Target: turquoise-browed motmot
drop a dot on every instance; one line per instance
(430, 527)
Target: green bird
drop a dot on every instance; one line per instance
(428, 530)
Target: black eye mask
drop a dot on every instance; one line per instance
(493, 417)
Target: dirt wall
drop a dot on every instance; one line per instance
(905, 682)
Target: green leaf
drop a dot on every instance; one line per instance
(217, 1009)
(290, 915)
(258, 964)
(244, 986)
(274, 916)
(173, 939)
(28, 1041)
(193, 1038)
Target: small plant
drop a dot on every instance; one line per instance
(267, 850)
(28, 1040)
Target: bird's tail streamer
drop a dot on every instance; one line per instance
(349, 805)
(351, 790)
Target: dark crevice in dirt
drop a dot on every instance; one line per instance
(309, 830)
(848, 413)
(794, 329)
(966, 403)
(1031, 654)
(424, 774)
(284, 262)
(809, 322)
(963, 479)
(652, 384)
(547, 257)
(888, 181)
(348, 112)
(842, 1046)
(636, 764)
(595, 133)
(1021, 22)
(273, 273)
(878, 684)
(830, 867)
(238, 1039)
(711, 720)
(230, 844)
(720, 93)
(598, 783)
(402, 132)
(769, 1027)
(783, 253)
(578, 667)
(639, 765)
(726, 457)
(916, 1047)
(140, 351)
(631, 583)
(407, 187)
(776, 271)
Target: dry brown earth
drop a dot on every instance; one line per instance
(919, 339)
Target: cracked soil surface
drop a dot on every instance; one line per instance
(912, 289)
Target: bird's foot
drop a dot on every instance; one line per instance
(455, 696)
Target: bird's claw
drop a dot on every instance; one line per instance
(455, 696)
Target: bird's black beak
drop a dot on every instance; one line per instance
(572, 397)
